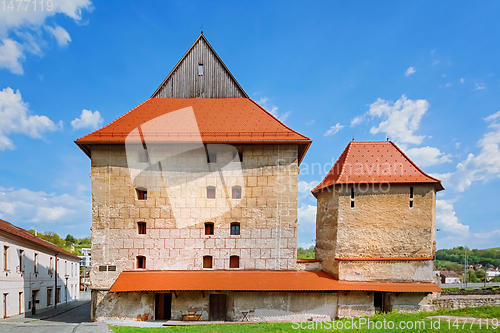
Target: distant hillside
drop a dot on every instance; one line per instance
(454, 259)
(70, 243)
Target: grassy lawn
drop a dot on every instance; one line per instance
(394, 317)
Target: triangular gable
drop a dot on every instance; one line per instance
(375, 162)
(184, 81)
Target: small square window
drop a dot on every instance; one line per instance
(234, 262)
(210, 192)
(236, 192)
(212, 158)
(209, 228)
(142, 194)
(207, 262)
(235, 228)
(200, 69)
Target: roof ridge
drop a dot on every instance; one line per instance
(409, 159)
(281, 123)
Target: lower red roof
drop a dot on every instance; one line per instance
(254, 281)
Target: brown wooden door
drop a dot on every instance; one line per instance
(218, 307)
(5, 305)
(163, 308)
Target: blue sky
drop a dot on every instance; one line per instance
(424, 74)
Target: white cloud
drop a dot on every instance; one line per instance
(273, 109)
(402, 118)
(15, 118)
(357, 120)
(21, 30)
(61, 35)
(453, 232)
(480, 86)
(88, 119)
(40, 207)
(484, 166)
(462, 80)
(334, 129)
(11, 55)
(410, 71)
(427, 156)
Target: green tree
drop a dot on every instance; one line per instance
(70, 240)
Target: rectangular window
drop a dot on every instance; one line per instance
(207, 262)
(102, 268)
(236, 192)
(5, 258)
(21, 261)
(141, 262)
(58, 295)
(5, 305)
(49, 296)
(141, 226)
(234, 262)
(20, 303)
(209, 228)
(212, 158)
(237, 156)
(200, 69)
(411, 197)
(235, 229)
(142, 194)
(210, 192)
(35, 263)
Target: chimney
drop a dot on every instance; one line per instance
(36, 234)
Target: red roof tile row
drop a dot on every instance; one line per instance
(386, 259)
(253, 281)
(374, 162)
(216, 120)
(26, 235)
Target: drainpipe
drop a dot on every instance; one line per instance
(55, 281)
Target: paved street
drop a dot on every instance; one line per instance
(67, 318)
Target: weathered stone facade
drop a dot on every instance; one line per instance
(380, 225)
(175, 215)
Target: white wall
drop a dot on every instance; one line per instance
(22, 279)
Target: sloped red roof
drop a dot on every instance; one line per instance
(375, 162)
(26, 235)
(253, 281)
(218, 120)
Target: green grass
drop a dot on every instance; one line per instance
(396, 317)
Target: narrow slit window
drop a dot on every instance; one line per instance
(210, 192)
(352, 197)
(21, 261)
(200, 69)
(141, 262)
(234, 262)
(411, 197)
(209, 228)
(236, 192)
(142, 194)
(5, 257)
(207, 262)
(235, 228)
(35, 263)
(141, 226)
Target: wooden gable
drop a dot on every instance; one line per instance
(188, 80)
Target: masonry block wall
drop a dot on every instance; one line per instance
(177, 208)
(380, 225)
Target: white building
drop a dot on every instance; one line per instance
(493, 272)
(85, 257)
(34, 273)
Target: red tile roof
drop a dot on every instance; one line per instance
(253, 281)
(26, 235)
(375, 162)
(307, 260)
(219, 120)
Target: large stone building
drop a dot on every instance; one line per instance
(195, 209)
(35, 274)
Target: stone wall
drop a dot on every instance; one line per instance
(380, 225)
(177, 208)
(452, 302)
